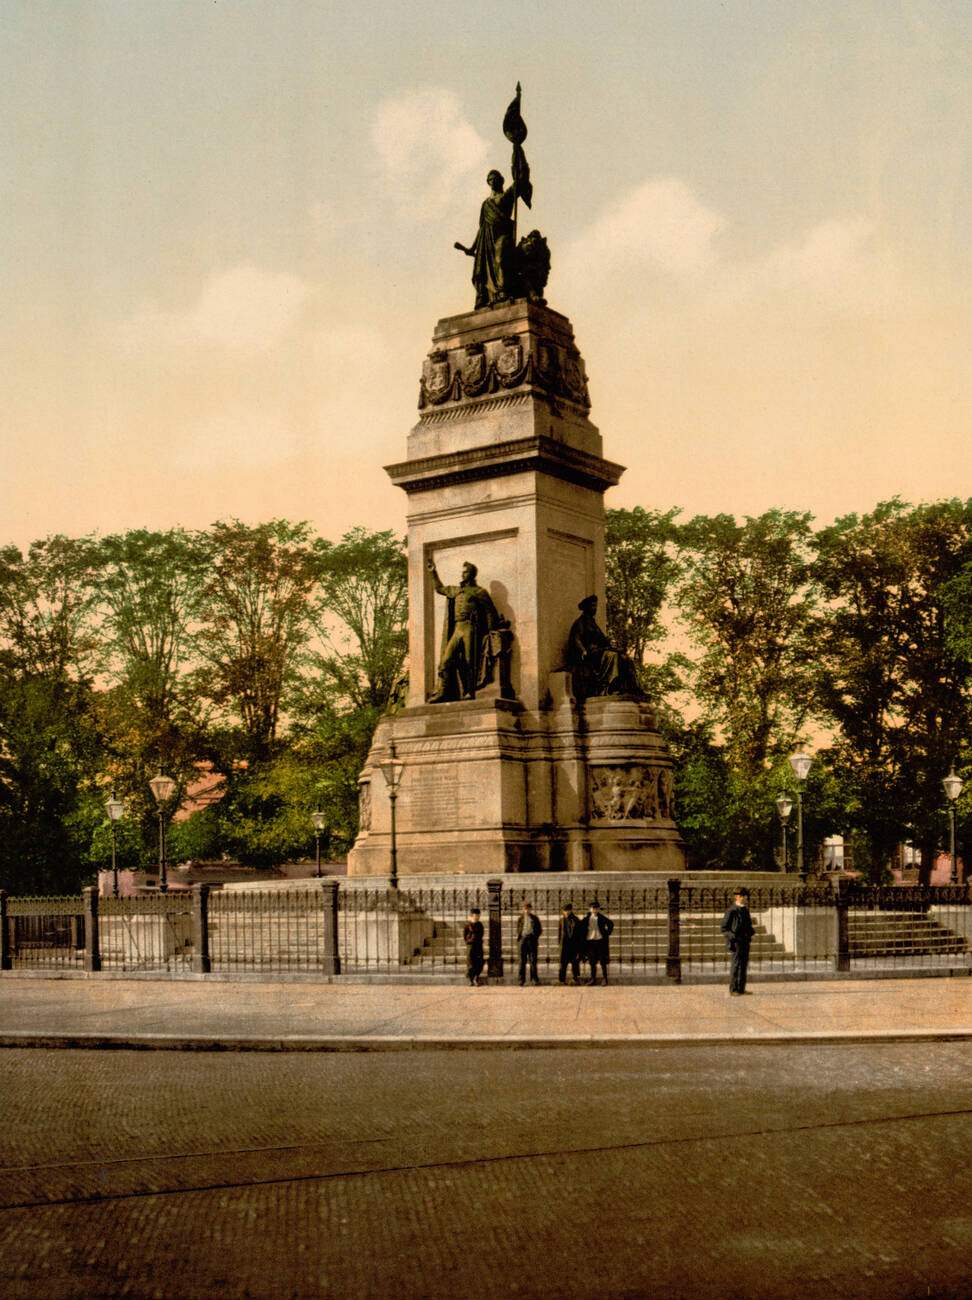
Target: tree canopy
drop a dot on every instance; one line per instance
(261, 657)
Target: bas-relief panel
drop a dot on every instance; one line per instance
(632, 793)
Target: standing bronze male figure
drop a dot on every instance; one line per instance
(471, 639)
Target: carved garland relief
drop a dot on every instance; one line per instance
(632, 794)
(485, 368)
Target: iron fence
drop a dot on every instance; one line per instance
(45, 933)
(639, 941)
(795, 929)
(266, 931)
(414, 930)
(327, 928)
(146, 934)
(916, 927)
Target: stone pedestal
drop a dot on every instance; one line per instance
(505, 471)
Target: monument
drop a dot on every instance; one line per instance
(524, 742)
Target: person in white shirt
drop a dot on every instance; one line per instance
(597, 932)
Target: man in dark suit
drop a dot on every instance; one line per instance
(737, 926)
(570, 930)
(528, 932)
(473, 936)
(596, 931)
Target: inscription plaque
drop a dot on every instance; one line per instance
(441, 795)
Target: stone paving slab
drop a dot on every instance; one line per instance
(287, 1017)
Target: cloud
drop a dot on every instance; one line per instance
(661, 225)
(243, 435)
(425, 148)
(244, 309)
(838, 265)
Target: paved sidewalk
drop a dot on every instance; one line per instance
(355, 1017)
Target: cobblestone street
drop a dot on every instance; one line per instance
(778, 1171)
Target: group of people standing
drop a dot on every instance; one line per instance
(587, 939)
(580, 939)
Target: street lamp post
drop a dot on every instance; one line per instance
(320, 822)
(953, 788)
(392, 770)
(784, 806)
(163, 788)
(801, 764)
(116, 810)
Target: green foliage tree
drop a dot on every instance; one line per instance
(148, 586)
(360, 614)
(47, 609)
(641, 567)
(893, 664)
(746, 599)
(265, 815)
(48, 741)
(361, 618)
(255, 622)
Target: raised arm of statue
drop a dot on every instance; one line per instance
(436, 580)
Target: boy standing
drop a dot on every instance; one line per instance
(737, 926)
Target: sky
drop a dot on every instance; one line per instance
(228, 228)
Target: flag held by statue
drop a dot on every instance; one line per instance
(514, 128)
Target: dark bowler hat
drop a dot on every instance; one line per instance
(474, 911)
(595, 903)
(587, 603)
(567, 907)
(742, 892)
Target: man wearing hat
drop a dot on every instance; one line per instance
(571, 928)
(597, 932)
(528, 932)
(473, 935)
(737, 926)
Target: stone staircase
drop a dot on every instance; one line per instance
(703, 940)
(901, 934)
(638, 940)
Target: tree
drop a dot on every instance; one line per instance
(746, 599)
(641, 566)
(361, 615)
(256, 620)
(47, 604)
(361, 618)
(894, 667)
(265, 815)
(48, 742)
(148, 586)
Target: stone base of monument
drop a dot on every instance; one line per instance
(491, 787)
(132, 940)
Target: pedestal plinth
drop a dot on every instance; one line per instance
(491, 787)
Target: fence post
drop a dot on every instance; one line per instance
(5, 961)
(495, 905)
(331, 959)
(842, 904)
(673, 964)
(92, 945)
(200, 930)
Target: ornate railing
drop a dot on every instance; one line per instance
(325, 928)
